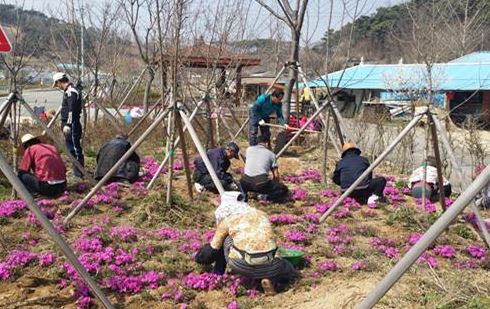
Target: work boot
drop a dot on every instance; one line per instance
(268, 287)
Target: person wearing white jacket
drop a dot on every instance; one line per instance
(432, 191)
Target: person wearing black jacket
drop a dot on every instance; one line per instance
(349, 168)
(71, 109)
(110, 153)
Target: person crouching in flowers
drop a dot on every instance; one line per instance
(245, 239)
(431, 190)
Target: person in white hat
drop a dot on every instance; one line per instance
(41, 169)
(71, 109)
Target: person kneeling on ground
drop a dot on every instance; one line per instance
(110, 153)
(431, 189)
(220, 160)
(348, 170)
(261, 161)
(244, 240)
(49, 172)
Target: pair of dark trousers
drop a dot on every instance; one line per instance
(276, 191)
(72, 141)
(433, 194)
(376, 186)
(207, 182)
(280, 271)
(33, 184)
(253, 129)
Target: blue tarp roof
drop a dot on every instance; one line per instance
(445, 77)
(476, 57)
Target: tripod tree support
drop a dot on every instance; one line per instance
(373, 165)
(437, 154)
(183, 146)
(57, 239)
(167, 156)
(302, 129)
(334, 111)
(201, 150)
(459, 172)
(116, 166)
(427, 239)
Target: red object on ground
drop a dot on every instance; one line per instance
(5, 46)
(45, 161)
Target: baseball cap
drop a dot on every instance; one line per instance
(234, 147)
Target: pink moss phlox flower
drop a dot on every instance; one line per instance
(124, 233)
(252, 293)
(234, 283)
(311, 217)
(84, 302)
(476, 251)
(359, 265)
(467, 264)
(391, 252)
(190, 247)
(151, 167)
(296, 236)
(292, 246)
(445, 251)
(94, 230)
(208, 236)
(344, 212)
(337, 230)
(16, 258)
(311, 174)
(205, 281)
(284, 219)
(178, 165)
(64, 197)
(45, 203)
(233, 305)
(299, 194)
(191, 235)
(351, 203)
(178, 296)
(428, 259)
(339, 249)
(46, 259)
(168, 233)
(322, 207)
(329, 193)
(123, 257)
(429, 206)
(327, 266)
(413, 238)
(88, 245)
(312, 228)
(11, 208)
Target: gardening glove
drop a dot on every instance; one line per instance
(261, 122)
(66, 130)
(286, 126)
(233, 186)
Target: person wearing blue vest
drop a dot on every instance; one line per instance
(260, 112)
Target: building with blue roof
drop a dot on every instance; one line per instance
(462, 85)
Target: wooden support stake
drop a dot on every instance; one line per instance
(183, 146)
(437, 154)
(171, 153)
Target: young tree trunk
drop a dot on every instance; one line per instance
(293, 75)
(151, 77)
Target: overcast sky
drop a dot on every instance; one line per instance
(315, 21)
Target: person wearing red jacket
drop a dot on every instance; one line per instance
(41, 169)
